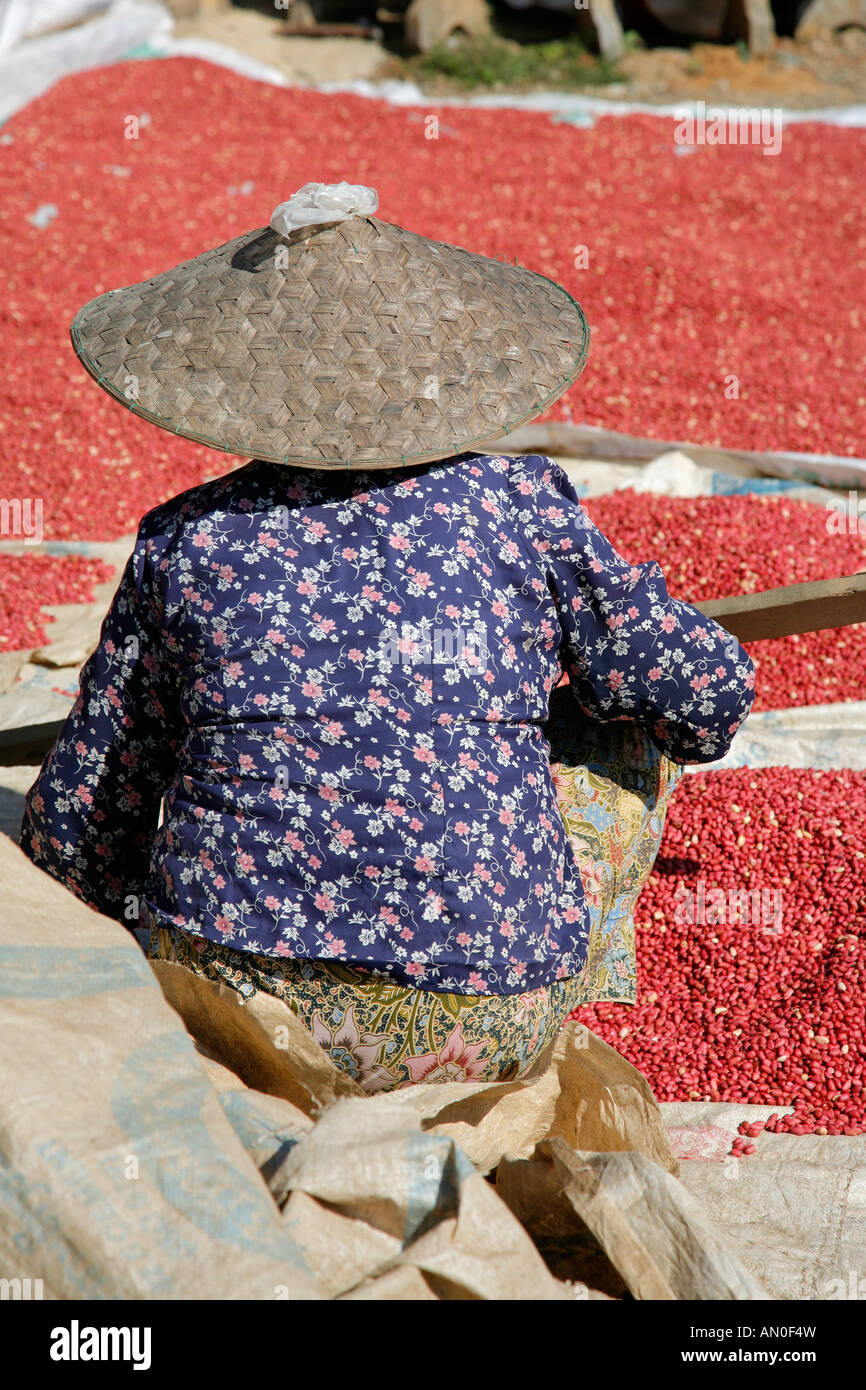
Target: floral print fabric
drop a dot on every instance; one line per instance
(337, 683)
(613, 787)
(382, 1034)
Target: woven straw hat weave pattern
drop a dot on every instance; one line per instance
(356, 343)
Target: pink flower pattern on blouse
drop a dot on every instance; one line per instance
(335, 684)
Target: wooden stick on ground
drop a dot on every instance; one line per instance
(326, 31)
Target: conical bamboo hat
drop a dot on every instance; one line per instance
(350, 343)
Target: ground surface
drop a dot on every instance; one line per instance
(299, 60)
(827, 72)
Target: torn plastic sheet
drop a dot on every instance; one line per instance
(581, 441)
(579, 110)
(793, 1211)
(25, 19)
(675, 474)
(811, 736)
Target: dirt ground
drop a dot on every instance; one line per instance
(299, 60)
(827, 72)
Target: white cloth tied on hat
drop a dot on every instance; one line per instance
(317, 203)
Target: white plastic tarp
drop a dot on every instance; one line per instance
(26, 19)
(30, 66)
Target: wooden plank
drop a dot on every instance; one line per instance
(326, 31)
(28, 742)
(823, 603)
(610, 446)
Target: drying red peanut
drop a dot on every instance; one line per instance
(693, 273)
(785, 1023)
(27, 582)
(778, 541)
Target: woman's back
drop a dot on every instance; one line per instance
(340, 679)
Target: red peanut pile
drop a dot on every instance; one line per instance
(761, 1011)
(29, 581)
(710, 547)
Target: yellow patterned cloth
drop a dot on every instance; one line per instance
(385, 1035)
(613, 787)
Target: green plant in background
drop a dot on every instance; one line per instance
(494, 61)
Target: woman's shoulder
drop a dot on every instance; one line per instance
(537, 483)
(195, 502)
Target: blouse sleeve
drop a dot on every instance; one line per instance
(631, 651)
(92, 813)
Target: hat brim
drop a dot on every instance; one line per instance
(351, 344)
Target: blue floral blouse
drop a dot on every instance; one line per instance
(337, 682)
